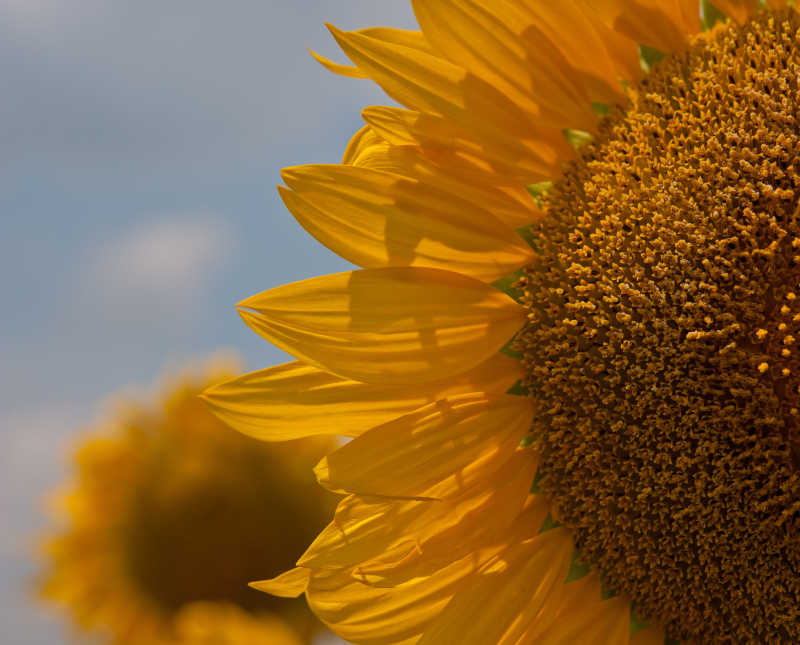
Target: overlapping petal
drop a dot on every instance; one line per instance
(518, 159)
(600, 57)
(471, 107)
(436, 452)
(468, 178)
(376, 219)
(370, 615)
(392, 541)
(662, 24)
(296, 400)
(389, 326)
(583, 616)
(510, 590)
(487, 40)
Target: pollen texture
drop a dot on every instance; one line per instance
(663, 342)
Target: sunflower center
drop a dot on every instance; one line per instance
(664, 344)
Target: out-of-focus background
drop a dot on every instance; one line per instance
(140, 145)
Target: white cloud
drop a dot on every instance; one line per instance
(170, 256)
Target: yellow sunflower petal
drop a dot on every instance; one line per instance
(599, 56)
(403, 37)
(583, 617)
(435, 452)
(449, 530)
(360, 531)
(663, 24)
(536, 156)
(295, 400)
(431, 84)
(289, 584)
(406, 37)
(351, 71)
(392, 325)
(469, 179)
(417, 79)
(506, 594)
(371, 615)
(392, 541)
(378, 219)
(738, 10)
(486, 39)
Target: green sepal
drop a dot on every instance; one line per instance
(527, 440)
(518, 389)
(577, 569)
(606, 593)
(538, 190)
(506, 285)
(535, 488)
(526, 233)
(549, 524)
(649, 56)
(509, 351)
(710, 15)
(636, 622)
(578, 138)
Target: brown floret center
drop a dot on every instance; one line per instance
(663, 350)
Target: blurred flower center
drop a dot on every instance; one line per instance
(188, 517)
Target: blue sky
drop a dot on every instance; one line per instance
(140, 145)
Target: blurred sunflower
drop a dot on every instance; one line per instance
(614, 185)
(171, 514)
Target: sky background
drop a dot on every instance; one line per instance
(140, 146)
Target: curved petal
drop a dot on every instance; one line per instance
(507, 593)
(289, 584)
(431, 84)
(371, 615)
(390, 326)
(467, 178)
(521, 160)
(663, 24)
(436, 452)
(601, 58)
(295, 400)
(584, 617)
(350, 71)
(404, 37)
(377, 219)
(392, 541)
(544, 84)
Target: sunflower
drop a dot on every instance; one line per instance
(171, 514)
(569, 364)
